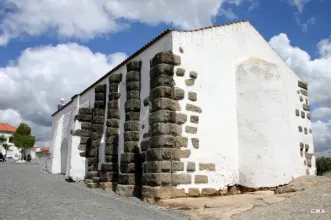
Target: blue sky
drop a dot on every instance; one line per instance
(45, 45)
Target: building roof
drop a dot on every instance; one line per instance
(4, 127)
(141, 50)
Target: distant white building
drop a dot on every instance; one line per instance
(13, 152)
(192, 111)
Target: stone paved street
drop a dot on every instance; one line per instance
(29, 193)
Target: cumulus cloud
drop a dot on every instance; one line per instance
(317, 73)
(89, 18)
(32, 85)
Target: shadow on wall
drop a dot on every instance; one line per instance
(64, 155)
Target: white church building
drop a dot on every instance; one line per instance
(191, 113)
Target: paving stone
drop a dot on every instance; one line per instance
(165, 57)
(111, 159)
(301, 99)
(308, 116)
(93, 153)
(159, 154)
(92, 185)
(178, 154)
(96, 135)
(302, 114)
(166, 116)
(297, 112)
(82, 147)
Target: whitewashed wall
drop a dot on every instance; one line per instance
(215, 53)
(60, 130)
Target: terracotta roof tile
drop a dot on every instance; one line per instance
(4, 127)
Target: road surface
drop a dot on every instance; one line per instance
(27, 193)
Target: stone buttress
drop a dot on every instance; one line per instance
(164, 151)
(109, 170)
(130, 163)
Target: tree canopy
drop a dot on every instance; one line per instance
(323, 164)
(22, 137)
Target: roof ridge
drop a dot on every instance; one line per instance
(212, 26)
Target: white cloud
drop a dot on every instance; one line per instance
(299, 4)
(317, 73)
(32, 85)
(87, 19)
(324, 48)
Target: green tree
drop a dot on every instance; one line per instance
(23, 138)
(323, 164)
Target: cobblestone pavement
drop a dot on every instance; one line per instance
(312, 204)
(27, 193)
